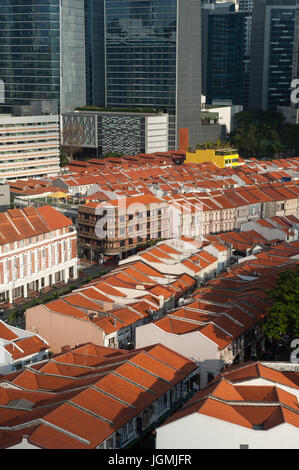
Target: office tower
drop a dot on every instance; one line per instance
(245, 5)
(226, 53)
(294, 116)
(42, 55)
(271, 53)
(94, 52)
(153, 60)
(223, 56)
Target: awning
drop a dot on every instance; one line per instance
(58, 195)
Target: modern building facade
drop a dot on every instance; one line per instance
(29, 146)
(225, 53)
(123, 132)
(152, 60)
(294, 108)
(94, 52)
(42, 52)
(273, 26)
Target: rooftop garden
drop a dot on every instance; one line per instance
(120, 110)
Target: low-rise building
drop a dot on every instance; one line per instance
(38, 248)
(107, 310)
(221, 323)
(19, 348)
(223, 158)
(117, 227)
(93, 397)
(250, 406)
(284, 228)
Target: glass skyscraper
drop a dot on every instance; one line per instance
(42, 54)
(141, 53)
(225, 78)
(94, 52)
(152, 59)
(273, 28)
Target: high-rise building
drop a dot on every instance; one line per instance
(271, 53)
(244, 5)
(152, 60)
(29, 146)
(223, 56)
(294, 105)
(94, 52)
(42, 55)
(226, 29)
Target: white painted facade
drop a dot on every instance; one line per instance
(37, 262)
(198, 431)
(156, 133)
(193, 345)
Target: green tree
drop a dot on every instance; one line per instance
(258, 134)
(113, 154)
(283, 318)
(63, 157)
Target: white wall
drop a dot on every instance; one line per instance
(268, 233)
(193, 345)
(199, 431)
(156, 133)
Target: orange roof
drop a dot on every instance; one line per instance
(251, 406)
(95, 401)
(29, 346)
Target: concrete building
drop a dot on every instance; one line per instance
(29, 146)
(225, 111)
(223, 158)
(38, 248)
(119, 226)
(253, 406)
(4, 197)
(97, 133)
(152, 60)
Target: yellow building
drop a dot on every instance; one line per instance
(223, 158)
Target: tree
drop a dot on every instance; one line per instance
(258, 134)
(72, 139)
(63, 157)
(283, 318)
(113, 154)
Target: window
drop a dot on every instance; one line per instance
(210, 376)
(130, 427)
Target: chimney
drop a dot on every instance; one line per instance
(65, 348)
(183, 139)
